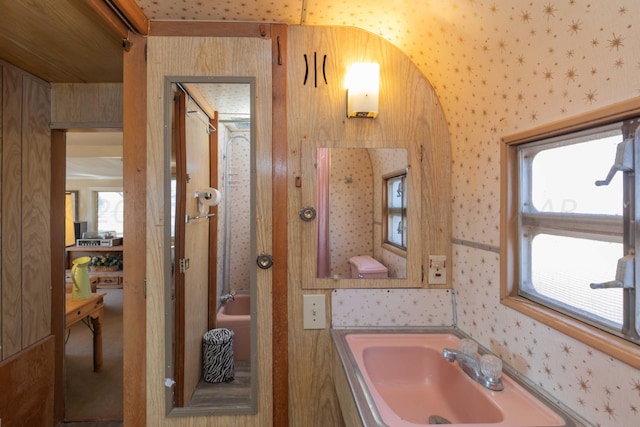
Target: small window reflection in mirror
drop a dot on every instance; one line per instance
(395, 210)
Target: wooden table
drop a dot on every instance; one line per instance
(91, 308)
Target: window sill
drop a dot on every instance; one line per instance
(395, 250)
(615, 347)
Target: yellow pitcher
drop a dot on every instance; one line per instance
(80, 276)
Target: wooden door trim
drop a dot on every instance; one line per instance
(57, 214)
(179, 140)
(213, 223)
(135, 231)
(209, 29)
(133, 14)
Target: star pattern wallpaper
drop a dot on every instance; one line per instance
(352, 308)
(498, 67)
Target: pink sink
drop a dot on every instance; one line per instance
(410, 382)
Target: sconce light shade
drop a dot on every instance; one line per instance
(363, 82)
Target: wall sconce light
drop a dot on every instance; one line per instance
(363, 82)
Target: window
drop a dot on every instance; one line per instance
(395, 210)
(568, 229)
(110, 211)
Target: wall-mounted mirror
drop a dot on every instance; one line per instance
(361, 212)
(367, 204)
(210, 291)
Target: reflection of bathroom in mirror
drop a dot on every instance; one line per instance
(362, 220)
(212, 234)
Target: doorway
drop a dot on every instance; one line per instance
(93, 352)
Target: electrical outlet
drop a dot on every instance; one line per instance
(437, 270)
(314, 312)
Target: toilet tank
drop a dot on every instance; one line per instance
(365, 267)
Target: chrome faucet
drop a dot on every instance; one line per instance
(471, 366)
(231, 296)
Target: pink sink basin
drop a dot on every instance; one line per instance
(410, 382)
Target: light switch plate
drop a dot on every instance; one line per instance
(314, 312)
(437, 270)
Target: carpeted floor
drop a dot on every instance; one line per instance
(95, 396)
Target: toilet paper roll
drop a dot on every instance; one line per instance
(208, 197)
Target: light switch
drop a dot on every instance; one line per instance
(314, 312)
(437, 270)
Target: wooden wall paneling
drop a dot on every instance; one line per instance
(25, 302)
(410, 117)
(134, 124)
(205, 56)
(348, 405)
(86, 105)
(436, 187)
(36, 202)
(26, 395)
(11, 211)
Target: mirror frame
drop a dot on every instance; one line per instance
(414, 202)
(227, 409)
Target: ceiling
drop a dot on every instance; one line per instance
(60, 41)
(94, 155)
(232, 102)
(497, 66)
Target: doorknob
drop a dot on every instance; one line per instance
(307, 214)
(264, 261)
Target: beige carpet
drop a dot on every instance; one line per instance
(95, 396)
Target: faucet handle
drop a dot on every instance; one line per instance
(490, 366)
(468, 347)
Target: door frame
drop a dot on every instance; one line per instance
(134, 153)
(58, 183)
(179, 139)
(58, 257)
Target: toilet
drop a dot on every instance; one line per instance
(365, 267)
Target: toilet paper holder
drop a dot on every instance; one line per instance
(206, 198)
